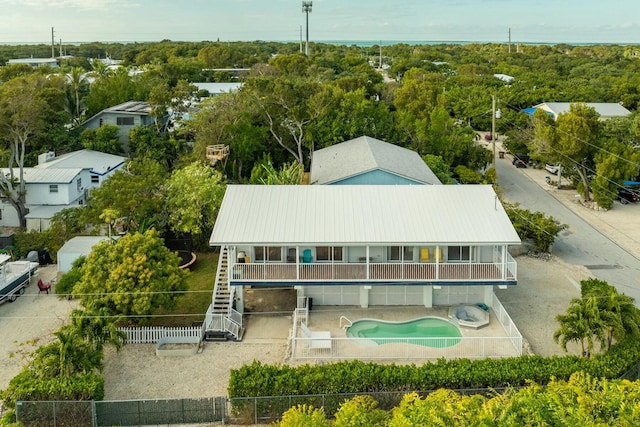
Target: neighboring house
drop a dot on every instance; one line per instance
(48, 191)
(75, 248)
(101, 165)
(35, 62)
(126, 116)
(606, 110)
(216, 89)
(363, 245)
(367, 160)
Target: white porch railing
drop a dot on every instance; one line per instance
(227, 323)
(444, 271)
(152, 334)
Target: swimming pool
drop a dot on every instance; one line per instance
(433, 332)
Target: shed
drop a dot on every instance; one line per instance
(74, 249)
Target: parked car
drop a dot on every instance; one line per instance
(520, 160)
(553, 169)
(627, 195)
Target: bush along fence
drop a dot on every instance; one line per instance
(257, 380)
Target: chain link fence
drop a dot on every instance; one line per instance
(121, 413)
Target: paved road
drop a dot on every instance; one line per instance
(581, 243)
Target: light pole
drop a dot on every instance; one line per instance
(495, 114)
(306, 8)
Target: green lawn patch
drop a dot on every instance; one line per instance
(192, 306)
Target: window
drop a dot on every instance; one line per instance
(79, 184)
(268, 253)
(95, 179)
(53, 188)
(329, 253)
(459, 253)
(400, 253)
(124, 121)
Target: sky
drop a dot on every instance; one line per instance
(530, 21)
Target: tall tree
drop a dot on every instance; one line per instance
(194, 195)
(288, 105)
(22, 117)
(578, 142)
(132, 277)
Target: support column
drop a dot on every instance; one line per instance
(488, 295)
(427, 296)
(364, 296)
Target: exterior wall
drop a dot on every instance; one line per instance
(396, 295)
(377, 177)
(38, 224)
(8, 216)
(452, 295)
(39, 194)
(111, 118)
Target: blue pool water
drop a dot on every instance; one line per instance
(426, 331)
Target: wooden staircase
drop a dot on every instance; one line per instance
(222, 294)
(229, 321)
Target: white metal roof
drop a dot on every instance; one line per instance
(215, 88)
(605, 109)
(364, 154)
(81, 244)
(46, 176)
(46, 211)
(361, 214)
(97, 161)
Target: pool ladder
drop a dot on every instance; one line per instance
(347, 322)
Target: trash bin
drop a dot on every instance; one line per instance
(501, 154)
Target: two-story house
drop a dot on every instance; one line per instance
(364, 245)
(48, 191)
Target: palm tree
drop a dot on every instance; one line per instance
(582, 323)
(98, 328)
(621, 316)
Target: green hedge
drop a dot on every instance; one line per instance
(26, 386)
(257, 379)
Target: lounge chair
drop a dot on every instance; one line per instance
(316, 339)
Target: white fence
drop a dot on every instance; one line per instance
(152, 334)
(413, 348)
(506, 322)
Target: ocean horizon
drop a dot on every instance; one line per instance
(358, 43)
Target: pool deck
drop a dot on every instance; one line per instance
(489, 341)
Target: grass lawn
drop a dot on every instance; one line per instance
(192, 306)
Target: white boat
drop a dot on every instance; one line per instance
(15, 276)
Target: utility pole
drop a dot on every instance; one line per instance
(381, 54)
(306, 8)
(53, 44)
(300, 38)
(495, 114)
(509, 40)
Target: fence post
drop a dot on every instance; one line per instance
(255, 410)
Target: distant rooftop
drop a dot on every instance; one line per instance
(364, 154)
(131, 107)
(99, 162)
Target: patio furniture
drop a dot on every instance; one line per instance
(317, 339)
(43, 287)
(306, 256)
(291, 255)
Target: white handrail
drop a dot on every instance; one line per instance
(347, 320)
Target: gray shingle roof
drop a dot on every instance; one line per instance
(364, 154)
